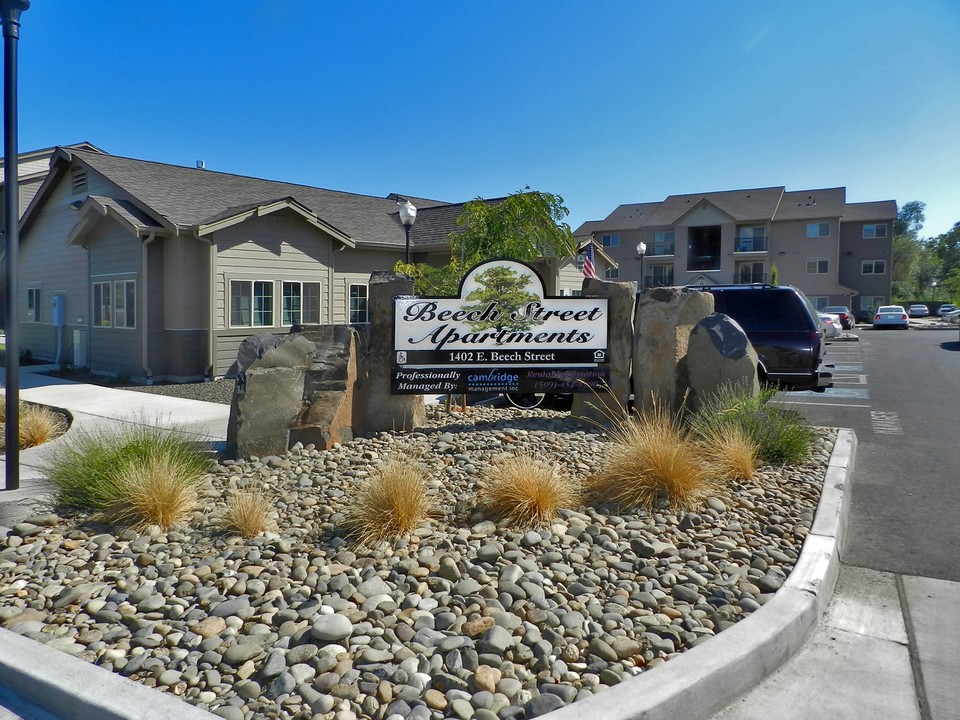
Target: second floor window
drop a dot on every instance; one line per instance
(815, 230)
(875, 231)
(873, 267)
(818, 267)
(610, 240)
(663, 243)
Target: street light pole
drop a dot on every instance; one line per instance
(641, 251)
(408, 215)
(10, 15)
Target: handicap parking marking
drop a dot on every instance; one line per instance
(848, 367)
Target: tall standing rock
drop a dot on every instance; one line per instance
(719, 354)
(663, 322)
(607, 407)
(386, 412)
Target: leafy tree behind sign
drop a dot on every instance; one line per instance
(525, 226)
(506, 288)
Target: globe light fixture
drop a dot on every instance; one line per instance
(641, 251)
(408, 215)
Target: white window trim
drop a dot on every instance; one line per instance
(252, 283)
(108, 310)
(614, 239)
(873, 264)
(283, 297)
(874, 235)
(35, 303)
(819, 226)
(818, 261)
(611, 273)
(366, 288)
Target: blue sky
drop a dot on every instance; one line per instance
(602, 103)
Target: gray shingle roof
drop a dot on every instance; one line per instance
(812, 204)
(741, 205)
(880, 210)
(188, 197)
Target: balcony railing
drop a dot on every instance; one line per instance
(665, 249)
(751, 244)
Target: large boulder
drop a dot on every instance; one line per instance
(663, 322)
(384, 411)
(611, 406)
(332, 410)
(268, 395)
(719, 354)
(298, 387)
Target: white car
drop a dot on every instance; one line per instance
(891, 316)
(831, 324)
(946, 309)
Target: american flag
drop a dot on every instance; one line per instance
(589, 267)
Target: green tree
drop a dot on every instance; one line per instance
(910, 219)
(947, 250)
(507, 288)
(524, 226)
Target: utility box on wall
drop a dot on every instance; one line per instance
(59, 303)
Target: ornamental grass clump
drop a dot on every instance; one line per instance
(116, 471)
(731, 452)
(37, 424)
(653, 462)
(159, 489)
(781, 436)
(391, 502)
(248, 513)
(524, 491)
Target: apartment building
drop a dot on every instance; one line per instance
(836, 252)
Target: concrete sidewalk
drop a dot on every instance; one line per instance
(95, 409)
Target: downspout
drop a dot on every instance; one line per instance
(145, 335)
(211, 306)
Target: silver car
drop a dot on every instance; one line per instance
(891, 316)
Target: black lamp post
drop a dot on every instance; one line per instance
(641, 251)
(10, 15)
(408, 215)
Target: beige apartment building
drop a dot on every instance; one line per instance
(837, 253)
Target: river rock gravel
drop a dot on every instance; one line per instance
(460, 619)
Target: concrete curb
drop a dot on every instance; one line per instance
(75, 689)
(707, 678)
(693, 686)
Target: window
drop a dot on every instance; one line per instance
(751, 272)
(251, 303)
(611, 274)
(873, 267)
(875, 231)
(815, 230)
(34, 308)
(115, 304)
(660, 276)
(301, 304)
(818, 267)
(610, 240)
(358, 304)
(751, 239)
(703, 250)
(125, 304)
(870, 303)
(663, 243)
(820, 301)
(580, 260)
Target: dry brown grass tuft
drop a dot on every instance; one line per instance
(389, 503)
(525, 491)
(39, 425)
(732, 452)
(160, 489)
(652, 461)
(248, 513)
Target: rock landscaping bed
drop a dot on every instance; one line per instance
(461, 618)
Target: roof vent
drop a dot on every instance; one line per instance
(201, 165)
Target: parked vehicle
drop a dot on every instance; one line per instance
(846, 317)
(891, 316)
(831, 324)
(946, 308)
(918, 311)
(783, 328)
